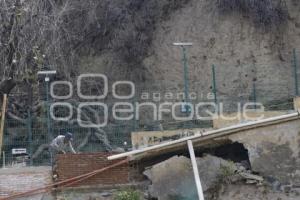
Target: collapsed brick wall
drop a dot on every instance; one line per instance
(72, 165)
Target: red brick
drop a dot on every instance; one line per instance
(72, 165)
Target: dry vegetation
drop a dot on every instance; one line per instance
(264, 13)
(56, 34)
(40, 33)
(36, 34)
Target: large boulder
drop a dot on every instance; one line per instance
(174, 179)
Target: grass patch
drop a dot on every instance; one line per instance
(128, 194)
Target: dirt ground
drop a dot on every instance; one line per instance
(249, 192)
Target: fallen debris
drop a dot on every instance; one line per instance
(173, 178)
(166, 185)
(251, 177)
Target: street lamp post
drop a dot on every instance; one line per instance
(46, 74)
(183, 46)
(50, 136)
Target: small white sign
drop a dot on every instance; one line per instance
(19, 151)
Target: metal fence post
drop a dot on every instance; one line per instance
(48, 110)
(29, 128)
(134, 114)
(254, 94)
(295, 72)
(214, 86)
(186, 79)
(183, 46)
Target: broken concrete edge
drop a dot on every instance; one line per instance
(251, 176)
(87, 188)
(138, 154)
(25, 170)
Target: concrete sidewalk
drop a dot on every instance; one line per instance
(16, 180)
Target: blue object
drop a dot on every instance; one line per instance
(69, 136)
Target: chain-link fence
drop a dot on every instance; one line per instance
(149, 109)
(33, 133)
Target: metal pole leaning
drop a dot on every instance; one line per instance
(195, 169)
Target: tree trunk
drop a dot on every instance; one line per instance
(6, 86)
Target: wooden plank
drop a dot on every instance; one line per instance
(145, 139)
(3, 111)
(209, 135)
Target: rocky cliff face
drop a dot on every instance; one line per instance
(241, 50)
(133, 41)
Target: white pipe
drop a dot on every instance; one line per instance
(47, 72)
(230, 129)
(183, 44)
(195, 170)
